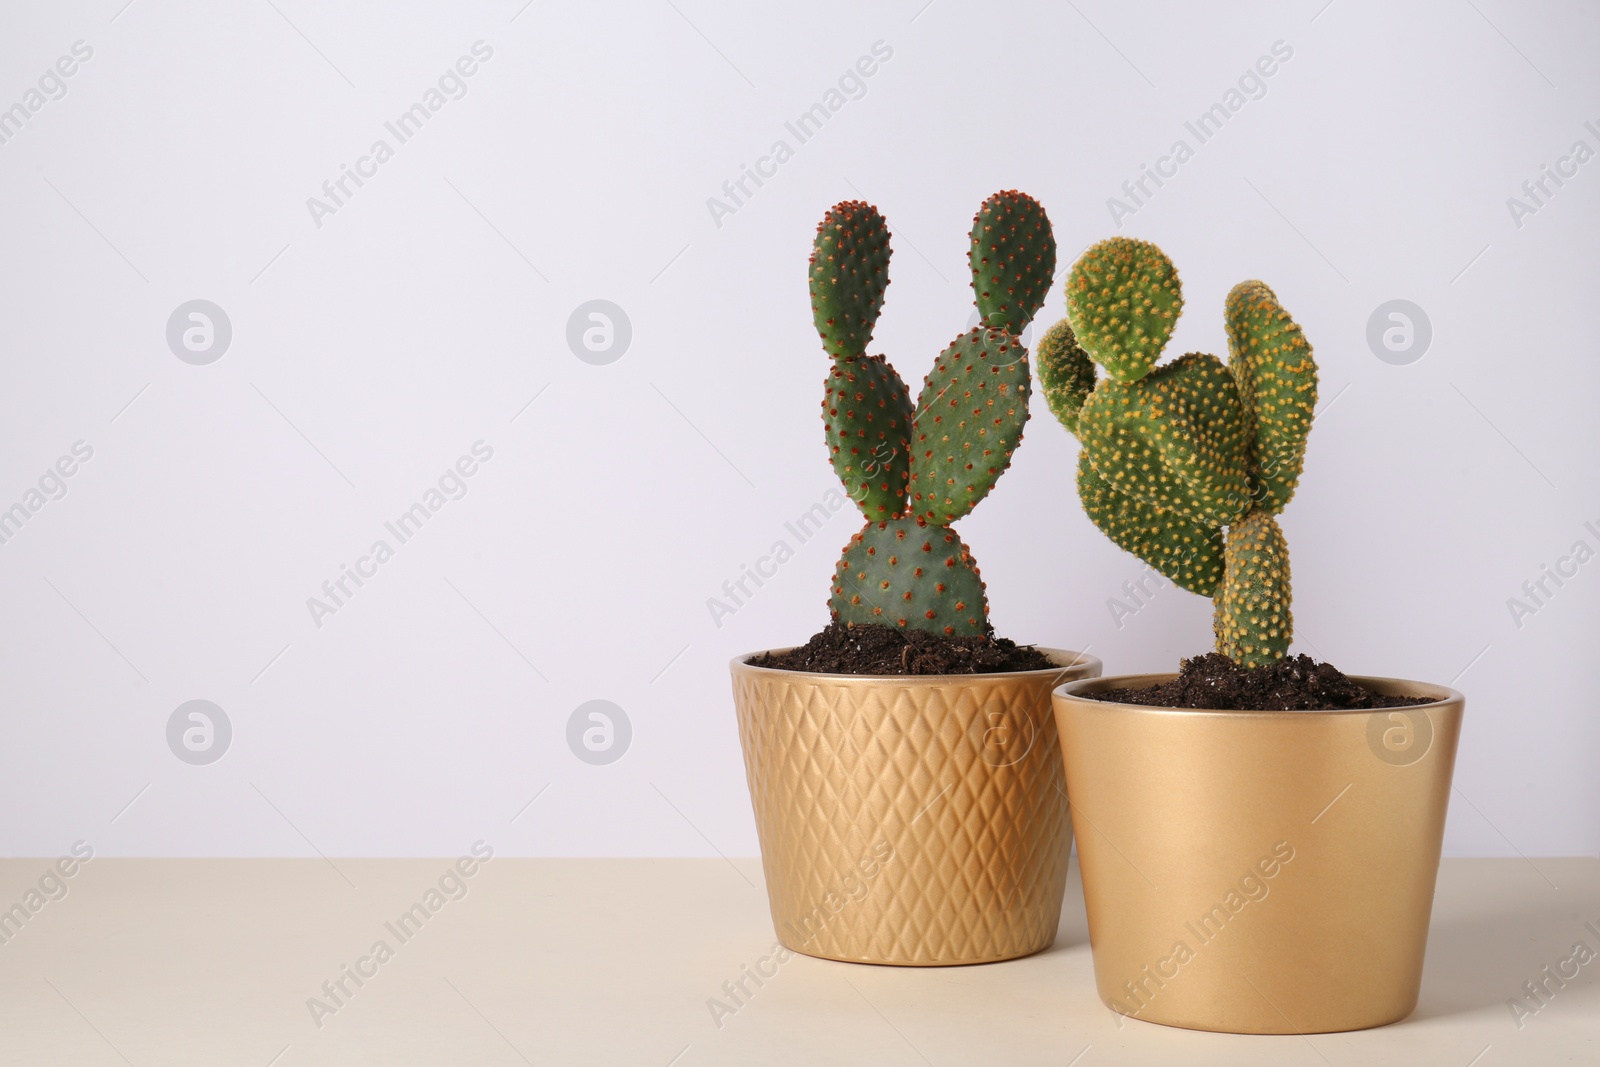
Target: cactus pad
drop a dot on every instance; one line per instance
(907, 573)
(968, 420)
(1277, 377)
(1066, 372)
(1013, 259)
(866, 418)
(1174, 439)
(1186, 552)
(1123, 299)
(849, 273)
(1252, 621)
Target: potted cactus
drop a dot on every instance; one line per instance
(1259, 835)
(903, 764)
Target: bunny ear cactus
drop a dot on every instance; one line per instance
(1271, 361)
(913, 470)
(1066, 372)
(1013, 260)
(968, 422)
(1186, 464)
(866, 411)
(1123, 298)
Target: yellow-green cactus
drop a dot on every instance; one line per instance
(1175, 438)
(1065, 372)
(1271, 360)
(1185, 464)
(1189, 553)
(1123, 298)
(1252, 621)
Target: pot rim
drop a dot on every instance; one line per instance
(1075, 661)
(1443, 697)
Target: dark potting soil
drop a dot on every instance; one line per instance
(873, 649)
(1294, 683)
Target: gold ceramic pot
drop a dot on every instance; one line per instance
(912, 820)
(1266, 872)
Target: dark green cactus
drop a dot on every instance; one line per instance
(1185, 464)
(913, 471)
(905, 572)
(1013, 260)
(849, 273)
(969, 419)
(865, 414)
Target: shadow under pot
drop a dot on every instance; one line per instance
(910, 820)
(1259, 872)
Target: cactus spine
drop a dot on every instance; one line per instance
(1186, 464)
(915, 469)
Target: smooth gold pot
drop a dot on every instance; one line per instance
(913, 820)
(1264, 872)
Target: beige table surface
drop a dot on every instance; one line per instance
(212, 962)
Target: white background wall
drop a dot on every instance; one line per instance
(372, 350)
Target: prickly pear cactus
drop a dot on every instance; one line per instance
(1186, 464)
(914, 469)
(1123, 299)
(1066, 374)
(849, 273)
(1013, 260)
(1175, 438)
(969, 420)
(910, 573)
(1252, 621)
(1271, 361)
(866, 413)
(1189, 553)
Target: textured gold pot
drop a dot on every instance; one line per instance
(909, 820)
(1264, 872)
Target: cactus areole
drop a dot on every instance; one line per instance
(1186, 464)
(913, 469)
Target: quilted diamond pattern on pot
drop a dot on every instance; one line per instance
(908, 820)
